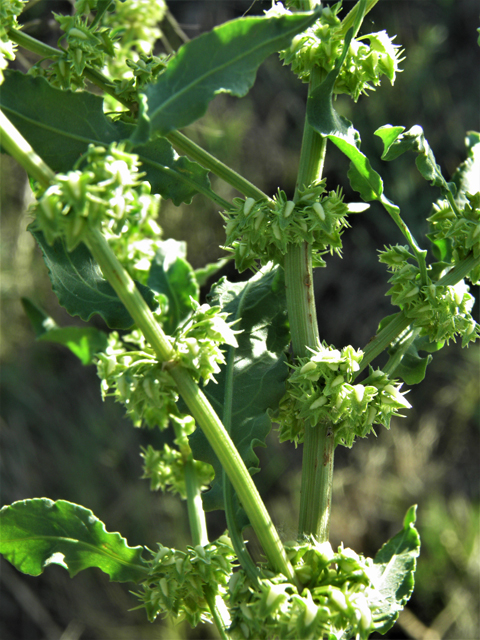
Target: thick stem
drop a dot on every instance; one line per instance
(318, 446)
(196, 401)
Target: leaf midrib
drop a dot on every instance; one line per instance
(232, 61)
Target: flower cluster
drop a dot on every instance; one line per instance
(84, 44)
(461, 232)
(441, 312)
(337, 591)
(321, 390)
(182, 583)
(262, 230)
(197, 341)
(9, 11)
(166, 468)
(130, 372)
(369, 57)
(136, 24)
(106, 193)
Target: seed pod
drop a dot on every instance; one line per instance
(77, 33)
(289, 207)
(247, 207)
(319, 210)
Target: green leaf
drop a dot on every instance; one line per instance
(325, 120)
(40, 532)
(84, 342)
(60, 125)
(172, 276)
(80, 286)
(253, 379)
(224, 60)
(397, 143)
(393, 574)
(204, 274)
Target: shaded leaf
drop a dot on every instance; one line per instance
(84, 342)
(39, 532)
(393, 574)
(172, 276)
(60, 125)
(224, 60)
(253, 379)
(80, 286)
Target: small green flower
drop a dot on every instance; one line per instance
(369, 57)
(320, 390)
(106, 193)
(9, 12)
(261, 231)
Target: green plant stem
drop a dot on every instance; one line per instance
(196, 401)
(196, 514)
(350, 18)
(216, 614)
(16, 145)
(318, 446)
(194, 151)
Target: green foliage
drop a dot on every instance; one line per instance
(40, 532)
(222, 61)
(344, 595)
(217, 372)
(62, 124)
(84, 342)
(252, 379)
(80, 287)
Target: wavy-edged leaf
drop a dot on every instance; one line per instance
(393, 574)
(40, 532)
(84, 342)
(253, 379)
(224, 60)
(396, 143)
(172, 276)
(80, 286)
(60, 125)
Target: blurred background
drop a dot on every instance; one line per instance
(60, 441)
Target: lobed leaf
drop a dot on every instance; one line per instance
(393, 574)
(40, 532)
(467, 175)
(60, 125)
(84, 342)
(224, 60)
(80, 286)
(172, 276)
(253, 379)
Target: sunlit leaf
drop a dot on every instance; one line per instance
(172, 276)
(224, 60)
(393, 574)
(40, 532)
